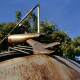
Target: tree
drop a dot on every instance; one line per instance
(75, 44)
(18, 16)
(1, 29)
(65, 42)
(32, 19)
(48, 27)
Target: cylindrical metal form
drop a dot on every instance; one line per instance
(38, 18)
(19, 38)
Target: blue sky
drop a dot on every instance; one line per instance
(65, 13)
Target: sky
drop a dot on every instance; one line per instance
(65, 13)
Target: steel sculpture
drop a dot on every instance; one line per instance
(38, 48)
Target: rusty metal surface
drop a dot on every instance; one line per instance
(51, 44)
(19, 38)
(18, 50)
(8, 53)
(39, 67)
(39, 48)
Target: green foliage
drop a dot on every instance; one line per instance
(60, 36)
(18, 16)
(76, 42)
(32, 18)
(76, 45)
(48, 27)
(26, 23)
